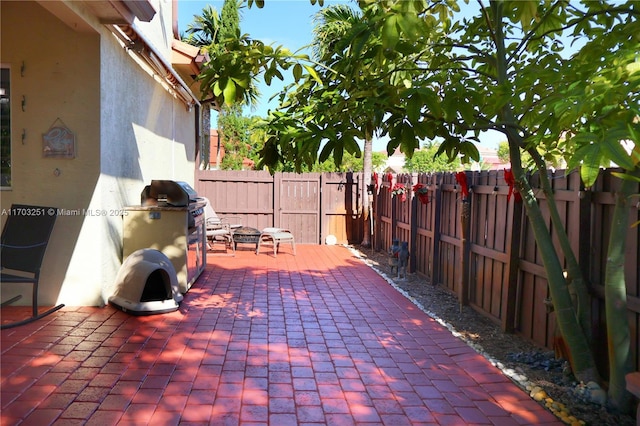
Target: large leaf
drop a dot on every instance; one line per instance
(584, 142)
(351, 145)
(326, 151)
(410, 25)
(524, 11)
(449, 147)
(229, 92)
(297, 72)
(390, 34)
(469, 152)
(590, 157)
(614, 151)
(313, 73)
(217, 90)
(414, 107)
(242, 82)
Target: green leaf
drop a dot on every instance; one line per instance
(525, 12)
(465, 108)
(410, 25)
(269, 154)
(350, 145)
(326, 151)
(230, 92)
(338, 154)
(313, 73)
(390, 35)
(616, 153)
(268, 76)
(432, 101)
(297, 72)
(359, 41)
(626, 176)
(448, 147)
(469, 151)
(591, 156)
(241, 82)
(217, 91)
(414, 105)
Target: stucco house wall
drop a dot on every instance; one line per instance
(130, 128)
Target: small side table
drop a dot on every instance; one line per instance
(276, 236)
(246, 235)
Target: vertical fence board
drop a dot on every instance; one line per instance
(540, 331)
(420, 225)
(525, 319)
(403, 211)
(437, 232)
(510, 301)
(498, 286)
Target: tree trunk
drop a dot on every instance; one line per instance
(615, 296)
(205, 136)
(577, 284)
(219, 143)
(366, 199)
(581, 357)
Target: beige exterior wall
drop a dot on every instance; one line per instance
(129, 129)
(158, 32)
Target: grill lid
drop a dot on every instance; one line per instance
(168, 193)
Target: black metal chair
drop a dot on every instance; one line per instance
(24, 240)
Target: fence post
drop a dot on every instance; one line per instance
(514, 232)
(377, 226)
(514, 222)
(585, 201)
(465, 215)
(277, 186)
(437, 218)
(413, 225)
(394, 212)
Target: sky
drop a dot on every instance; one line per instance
(287, 23)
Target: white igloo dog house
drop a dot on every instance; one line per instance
(146, 284)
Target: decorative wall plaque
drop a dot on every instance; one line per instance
(59, 141)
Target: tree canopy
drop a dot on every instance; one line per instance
(555, 77)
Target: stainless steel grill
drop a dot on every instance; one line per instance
(170, 219)
(169, 193)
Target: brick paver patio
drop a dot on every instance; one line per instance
(317, 338)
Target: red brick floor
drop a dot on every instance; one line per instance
(317, 338)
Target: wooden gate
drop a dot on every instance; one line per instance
(341, 208)
(297, 205)
(312, 205)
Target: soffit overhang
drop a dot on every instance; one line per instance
(121, 12)
(107, 12)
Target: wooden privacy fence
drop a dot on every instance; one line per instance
(311, 205)
(493, 263)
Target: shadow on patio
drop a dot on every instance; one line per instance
(313, 338)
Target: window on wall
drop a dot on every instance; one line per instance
(5, 131)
